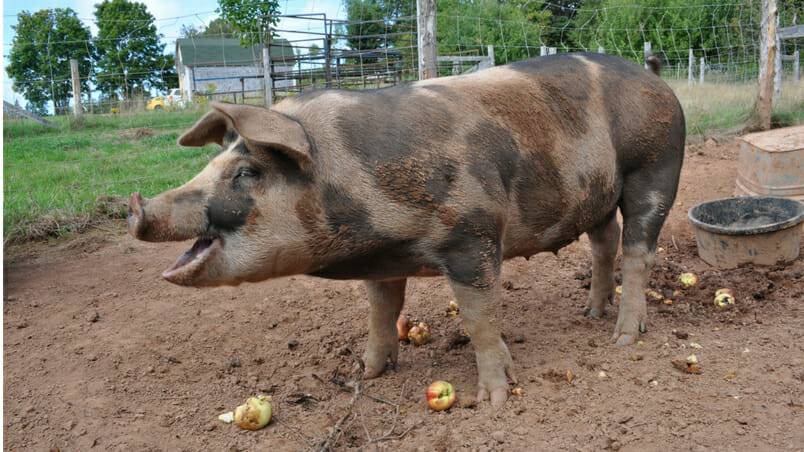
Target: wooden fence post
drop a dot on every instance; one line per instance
(543, 50)
(77, 109)
(777, 66)
(600, 49)
(328, 56)
(426, 37)
(269, 82)
(703, 71)
(690, 68)
(551, 50)
(761, 118)
(796, 67)
(491, 55)
(646, 52)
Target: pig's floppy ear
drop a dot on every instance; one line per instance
(211, 128)
(270, 129)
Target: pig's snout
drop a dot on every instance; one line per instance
(136, 216)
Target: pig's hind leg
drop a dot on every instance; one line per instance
(385, 300)
(605, 239)
(646, 200)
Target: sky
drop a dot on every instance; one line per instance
(170, 16)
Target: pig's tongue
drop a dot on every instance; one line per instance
(190, 255)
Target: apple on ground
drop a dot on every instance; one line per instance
(440, 395)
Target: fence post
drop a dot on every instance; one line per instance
(763, 107)
(690, 67)
(600, 49)
(77, 110)
(491, 55)
(327, 57)
(777, 67)
(646, 52)
(269, 82)
(426, 37)
(703, 70)
(552, 50)
(796, 67)
(543, 50)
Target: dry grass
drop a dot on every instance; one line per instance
(723, 108)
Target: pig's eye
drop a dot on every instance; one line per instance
(246, 172)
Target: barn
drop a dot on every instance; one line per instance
(224, 66)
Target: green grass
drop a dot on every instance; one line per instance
(53, 177)
(724, 108)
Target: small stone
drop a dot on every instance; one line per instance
(210, 427)
(94, 317)
(293, 343)
(498, 436)
(150, 369)
(636, 357)
(519, 339)
(69, 425)
(23, 324)
(602, 375)
(234, 361)
(696, 345)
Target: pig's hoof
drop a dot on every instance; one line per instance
(623, 339)
(594, 313)
(377, 359)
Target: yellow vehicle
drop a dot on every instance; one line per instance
(161, 103)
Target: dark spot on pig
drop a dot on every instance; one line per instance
(540, 197)
(471, 252)
(346, 216)
(390, 259)
(228, 212)
(417, 183)
(229, 137)
(495, 157)
(393, 123)
(190, 197)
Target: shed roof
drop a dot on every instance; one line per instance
(228, 51)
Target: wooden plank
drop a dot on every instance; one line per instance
(426, 39)
(14, 110)
(761, 116)
(462, 59)
(796, 31)
(269, 83)
(76, 78)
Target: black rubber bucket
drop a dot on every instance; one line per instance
(756, 230)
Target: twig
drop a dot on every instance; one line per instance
(673, 239)
(335, 434)
(357, 385)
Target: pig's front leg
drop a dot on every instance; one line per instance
(385, 300)
(494, 364)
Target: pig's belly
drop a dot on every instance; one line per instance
(526, 239)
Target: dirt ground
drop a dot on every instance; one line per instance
(102, 354)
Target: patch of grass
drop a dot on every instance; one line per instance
(55, 177)
(724, 108)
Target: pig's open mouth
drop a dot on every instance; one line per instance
(193, 259)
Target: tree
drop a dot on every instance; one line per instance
(189, 31)
(717, 29)
(219, 28)
(378, 24)
(129, 51)
(41, 50)
(513, 28)
(252, 18)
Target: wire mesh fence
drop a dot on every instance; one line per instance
(125, 141)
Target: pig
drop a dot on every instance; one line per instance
(447, 176)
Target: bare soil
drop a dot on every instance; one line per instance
(102, 354)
